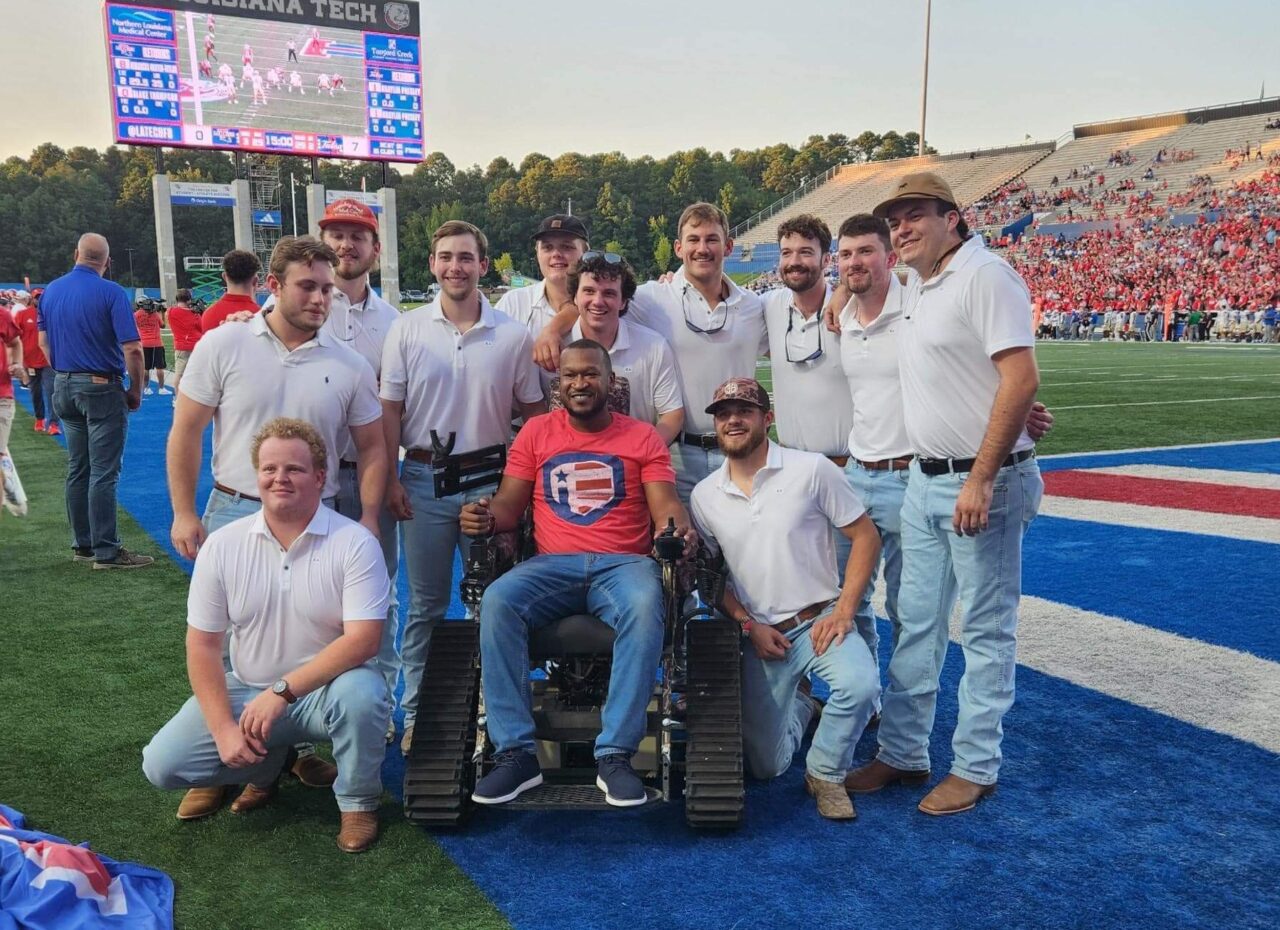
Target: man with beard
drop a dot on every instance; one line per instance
(601, 286)
(241, 376)
(453, 368)
(558, 243)
(771, 510)
(969, 377)
(593, 557)
(714, 327)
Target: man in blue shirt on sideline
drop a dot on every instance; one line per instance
(88, 333)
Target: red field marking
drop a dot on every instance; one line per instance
(1155, 492)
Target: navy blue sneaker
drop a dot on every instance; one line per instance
(621, 785)
(514, 772)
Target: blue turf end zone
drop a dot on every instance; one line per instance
(1108, 815)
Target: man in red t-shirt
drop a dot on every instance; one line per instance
(11, 349)
(240, 271)
(150, 318)
(38, 370)
(600, 482)
(185, 324)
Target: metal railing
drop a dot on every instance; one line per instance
(782, 202)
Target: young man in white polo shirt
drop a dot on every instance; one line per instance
(361, 319)
(601, 285)
(715, 329)
(770, 511)
(969, 377)
(455, 367)
(304, 594)
(558, 243)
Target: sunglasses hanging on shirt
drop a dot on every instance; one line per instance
(786, 341)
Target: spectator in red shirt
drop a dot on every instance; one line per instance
(11, 340)
(150, 318)
(38, 370)
(240, 271)
(599, 482)
(186, 326)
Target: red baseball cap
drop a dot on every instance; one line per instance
(349, 211)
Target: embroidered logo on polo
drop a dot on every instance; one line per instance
(583, 487)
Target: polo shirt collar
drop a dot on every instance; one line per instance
(736, 293)
(487, 319)
(964, 255)
(890, 313)
(621, 341)
(258, 326)
(773, 462)
(319, 525)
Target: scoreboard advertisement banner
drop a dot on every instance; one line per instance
(323, 78)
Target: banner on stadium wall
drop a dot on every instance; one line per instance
(364, 197)
(200, 194)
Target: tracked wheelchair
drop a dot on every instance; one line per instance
(692, 749)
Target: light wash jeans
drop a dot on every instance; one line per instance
(95, 420)
(625, 591)
(985, 573)
(351, 712)
(775, 715)
(430, 540)
(347, 503)
(692, 464)
(881, 493)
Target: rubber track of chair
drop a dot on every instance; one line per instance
(714, 796)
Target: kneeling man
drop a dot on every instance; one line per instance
(770, 511)
(600, 482)
(303, 592)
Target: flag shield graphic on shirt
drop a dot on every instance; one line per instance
(583, 487)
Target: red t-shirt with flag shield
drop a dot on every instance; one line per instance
(588, 488)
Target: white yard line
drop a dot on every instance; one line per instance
(1189, 445)
(1164, 403)
(1247, 479)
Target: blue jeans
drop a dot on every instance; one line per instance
(42, 395)
(775, 715)
(95, 420)
(692, 464)
(348, 504)
(881, 493)
(430, 540)
(351, 711)
(625, 591)
(985, 573)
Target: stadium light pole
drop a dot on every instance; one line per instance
(924, 82)
(293, 201)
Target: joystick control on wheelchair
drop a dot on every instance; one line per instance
(668, 546)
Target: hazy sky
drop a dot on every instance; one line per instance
(508, 77)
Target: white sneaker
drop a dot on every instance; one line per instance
(147, 390)
(164, 390)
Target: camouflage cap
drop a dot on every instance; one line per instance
(747, 390)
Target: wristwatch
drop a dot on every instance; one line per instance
(746, 623)
(281, 688)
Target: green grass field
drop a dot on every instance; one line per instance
(94, 664)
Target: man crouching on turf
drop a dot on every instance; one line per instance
(770, 510)
(593, 557)
(304, 592)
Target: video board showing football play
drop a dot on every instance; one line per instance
(322, 78)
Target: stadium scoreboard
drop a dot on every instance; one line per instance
(317, 78)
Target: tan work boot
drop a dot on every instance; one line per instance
(315, 772)
(407, 740)
(954, 795)
(252, 798)
(834, 802)
(359, 831)
(877, 775)
(201, 802)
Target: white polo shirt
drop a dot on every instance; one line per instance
(811, 399)
(462, 383)
(285, 605)
(644, 359)
(869, 356)
(778, 542)
(704, 361)
(951, 327)
(250, 377)
(528, 306)
(364, 328)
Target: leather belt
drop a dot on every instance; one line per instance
(887, 464)
(343, 463)
(804, 616)
(840, 461)
(418, 455)
(935, 467)
(108, 375)
(706, 441)
(234, 493)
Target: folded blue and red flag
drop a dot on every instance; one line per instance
(47, 883)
